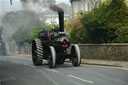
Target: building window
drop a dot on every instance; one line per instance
(88, 6)
(96, 5)
(127, 2)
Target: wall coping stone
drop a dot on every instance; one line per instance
(105, 44)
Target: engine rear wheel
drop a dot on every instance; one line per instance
(76, 58)
(52, 57)
(37, 52)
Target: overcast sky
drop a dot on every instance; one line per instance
(5, 5)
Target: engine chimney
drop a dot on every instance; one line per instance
(61, 20)
(61, 16)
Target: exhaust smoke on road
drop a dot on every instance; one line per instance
(25, 18)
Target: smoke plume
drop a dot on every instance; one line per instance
(55, 8)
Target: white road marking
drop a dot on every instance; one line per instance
(29, 65)
(55, 71)
(51, 70)
(80, 79)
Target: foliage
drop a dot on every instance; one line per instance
(24, 34)
(13, 22)
(118, 20)
(106, 23)
(122, 36)
(75, 29)
(78, 35)
(21, 36)
(35, 31)
(49, 26)
(94, 22)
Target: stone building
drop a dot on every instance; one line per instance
(127, 2)
(86, 5)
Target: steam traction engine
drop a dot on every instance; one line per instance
(52, 46)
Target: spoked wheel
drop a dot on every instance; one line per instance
(76, 58)
(52, 57)
(37, 52)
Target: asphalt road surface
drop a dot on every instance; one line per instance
(19, 70)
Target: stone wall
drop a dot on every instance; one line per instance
(113, 51)
(25, 49)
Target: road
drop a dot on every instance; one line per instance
(19, 70)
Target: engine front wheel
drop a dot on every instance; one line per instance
(37, 52)
(76, 58)
(52, 57)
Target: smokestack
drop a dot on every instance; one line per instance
(61, 20)
(61, 16)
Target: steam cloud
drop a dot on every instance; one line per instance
(27, 16)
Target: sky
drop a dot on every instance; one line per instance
(5, 5)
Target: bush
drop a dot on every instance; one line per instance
(34, 32)
(75, 30)
(21, 36)
(118, 20)
(94, 22)
(106, 24)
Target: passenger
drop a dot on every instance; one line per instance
(52, 29)
(43, 34)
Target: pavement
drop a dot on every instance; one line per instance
(19, 70)
(105, 63)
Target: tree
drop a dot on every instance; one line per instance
(23, 19)
(18, 25)
(108, 23)
(21, 36)
(35, 31)
(75, 29)
(94, 23)
(118, 20)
